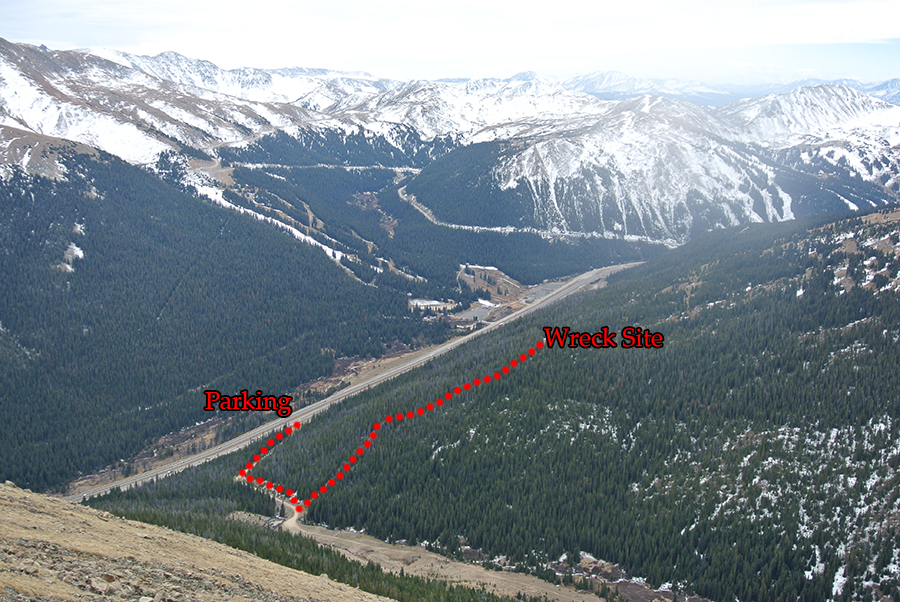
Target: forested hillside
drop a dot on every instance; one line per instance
(313, 147)
(123, 298)
(381, 228)
(126, 295)
(735, 460)
(252, 227)
(753, 457)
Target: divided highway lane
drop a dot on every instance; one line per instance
(303, 414)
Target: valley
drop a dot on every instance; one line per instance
(519, 154)
(369, 375)
(361, 244)
(685, 465)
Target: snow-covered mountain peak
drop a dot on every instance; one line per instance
(608, 81)
(618, 85)
(661, 107)
(129, 112)
(317, 89)
(650, 165)
(253, 84)
(110, 54)
(526, 76)
(466, 108)
(807, 114)
(663, 169)
(322, 73)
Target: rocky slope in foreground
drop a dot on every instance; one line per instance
(54, 550)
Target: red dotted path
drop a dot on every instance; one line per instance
(293, 497)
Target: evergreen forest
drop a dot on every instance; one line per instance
(124, 297)
(753, 457)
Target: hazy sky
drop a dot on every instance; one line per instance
(712, 41)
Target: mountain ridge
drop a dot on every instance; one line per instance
(661, 169)
(610, 85)
(649, 168)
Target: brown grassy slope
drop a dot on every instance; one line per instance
(56, 550)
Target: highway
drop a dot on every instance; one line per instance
(570, 286)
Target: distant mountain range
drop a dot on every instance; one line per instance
(602, 155)
(167, 226)
(295, 84)
(613, 85)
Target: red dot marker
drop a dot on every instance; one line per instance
(299, 509)
(373, 435)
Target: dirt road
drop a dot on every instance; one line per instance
(415, 560)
